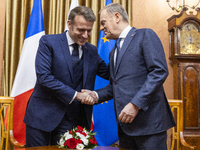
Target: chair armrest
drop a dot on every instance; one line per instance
(14, 142)
(184, 143)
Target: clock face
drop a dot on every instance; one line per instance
(190, 39)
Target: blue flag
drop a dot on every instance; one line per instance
(103, 114)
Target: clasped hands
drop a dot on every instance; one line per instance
(87, 97)
(127, 114)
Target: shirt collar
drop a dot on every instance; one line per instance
(125, 32)
(69, 39)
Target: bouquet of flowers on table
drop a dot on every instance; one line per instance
(78, 138)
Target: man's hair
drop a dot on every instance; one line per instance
(115, 7)
(84, 11)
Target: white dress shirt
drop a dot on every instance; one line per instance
(70, 43)
(122, 36)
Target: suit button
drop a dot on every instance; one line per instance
(115, 82)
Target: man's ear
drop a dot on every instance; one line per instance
(117, 17)
(69, 24)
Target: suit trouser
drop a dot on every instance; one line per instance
(36, 137)
(146, 142)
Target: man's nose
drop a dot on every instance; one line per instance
(86, 34)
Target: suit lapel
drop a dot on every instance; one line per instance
(66, 53)
(85, 63)
(111, 63)
(127, 41)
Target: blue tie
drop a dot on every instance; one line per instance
(118, 49)
(75, 55)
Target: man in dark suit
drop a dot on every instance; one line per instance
(65, 64)
(138, 70)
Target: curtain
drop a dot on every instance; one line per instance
(55, 14)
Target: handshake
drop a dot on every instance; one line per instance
(87, 97)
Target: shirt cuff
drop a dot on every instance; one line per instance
(96, 96)
(73, 97)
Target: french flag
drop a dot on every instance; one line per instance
(25, 77)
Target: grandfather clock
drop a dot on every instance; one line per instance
(184, 33)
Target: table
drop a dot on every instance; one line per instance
(56, 148)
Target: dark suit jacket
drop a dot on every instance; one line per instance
(140, 72)
(53, 90)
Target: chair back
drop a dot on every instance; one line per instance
(177, 140)
(6, 116)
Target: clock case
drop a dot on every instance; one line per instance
(186, 76)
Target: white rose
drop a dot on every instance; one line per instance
(83, 138)
(80, 135)
(87, 136)
(79, 146)
(85, 141)
(61, 142)
(67, 136)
